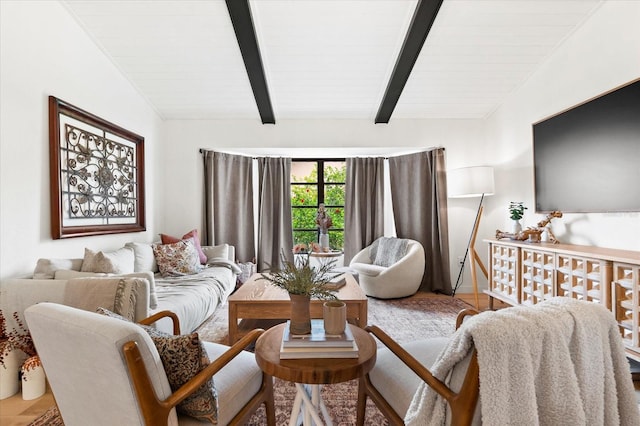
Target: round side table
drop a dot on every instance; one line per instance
(309, 373)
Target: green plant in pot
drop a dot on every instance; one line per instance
(516, 212)
(303, 282)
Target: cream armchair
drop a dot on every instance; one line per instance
(400, 279)
(106, 371)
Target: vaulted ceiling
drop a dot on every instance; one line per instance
(328, 59)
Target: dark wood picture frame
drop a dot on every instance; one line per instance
(96, 174)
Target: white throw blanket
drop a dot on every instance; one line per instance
(561, 362)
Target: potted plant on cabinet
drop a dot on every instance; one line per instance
(303, 282)
(516, 212)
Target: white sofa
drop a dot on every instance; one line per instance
(387, 275)
(193, 298)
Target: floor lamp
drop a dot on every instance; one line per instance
(469, 182)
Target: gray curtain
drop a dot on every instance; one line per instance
(419, 194)
(364, 204)
(275, 233)
(228, 203)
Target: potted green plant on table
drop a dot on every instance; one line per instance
(302, 282)
(516, 212)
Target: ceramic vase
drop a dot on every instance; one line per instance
(334, 313)
(34, 382)
(300, 316)
(10, 372)
(517, 226)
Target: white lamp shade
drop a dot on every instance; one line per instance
(470, 182)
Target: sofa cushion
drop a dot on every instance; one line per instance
(177, 259)
(121, 261)
(144, 258)
(390, 251)
(64, 274)
(46, 268)
(168, 239)
(216, 252)
(183, 357)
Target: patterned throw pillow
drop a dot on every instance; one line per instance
(183, 357)
(177, 259)
(168, 239)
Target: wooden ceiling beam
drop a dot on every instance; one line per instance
(240, 14)
(421, 23)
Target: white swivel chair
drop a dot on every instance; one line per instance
(106, 371)
(400, 279)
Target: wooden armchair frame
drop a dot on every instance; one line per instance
(462, 403)
(156, 412)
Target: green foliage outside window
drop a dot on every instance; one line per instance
(305, 201)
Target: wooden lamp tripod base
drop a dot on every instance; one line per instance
(474, 258)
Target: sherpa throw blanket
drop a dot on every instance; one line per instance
(560, 362)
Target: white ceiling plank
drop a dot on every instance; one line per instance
(328, 58)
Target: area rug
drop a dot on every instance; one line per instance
(403, 319)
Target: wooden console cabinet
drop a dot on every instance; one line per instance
(523, 273)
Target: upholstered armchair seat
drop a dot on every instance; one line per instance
(107, 371)
(401, 279)
(395, 381)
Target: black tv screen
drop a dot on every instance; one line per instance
(587, 159)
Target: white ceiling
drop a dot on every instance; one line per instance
(328, 58)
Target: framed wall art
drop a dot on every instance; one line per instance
(96, 173)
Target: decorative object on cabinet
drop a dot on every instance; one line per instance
(521, 273)
(533, 234)
(516, 211)
(96, 174)
(468, 182)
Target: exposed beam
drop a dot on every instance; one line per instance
(423, 18)
(240, 13)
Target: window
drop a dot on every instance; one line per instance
(313, 182)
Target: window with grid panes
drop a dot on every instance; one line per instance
(315, 182)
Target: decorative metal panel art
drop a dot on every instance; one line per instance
(97, 174)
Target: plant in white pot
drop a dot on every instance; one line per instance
(516, 212)
(16, 345)
(303, 282)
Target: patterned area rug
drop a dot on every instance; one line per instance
(404, 320)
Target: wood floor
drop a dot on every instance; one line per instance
(14, 411)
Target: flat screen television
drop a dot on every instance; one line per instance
(587, 159)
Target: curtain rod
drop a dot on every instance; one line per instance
(201, 150)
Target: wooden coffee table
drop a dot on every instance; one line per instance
(309, 373)
(259, 300)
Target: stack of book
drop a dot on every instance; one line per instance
(318, 344)
(336, 283)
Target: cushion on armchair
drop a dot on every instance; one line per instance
(183, 357)
(389, 251)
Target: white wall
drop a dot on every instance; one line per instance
(44, 52)
(599, 56)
